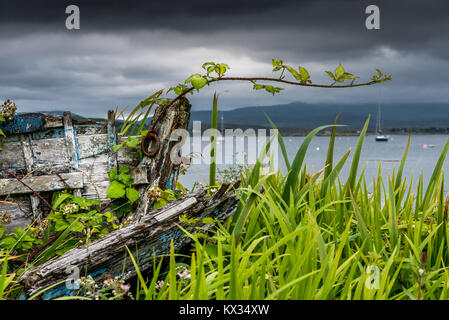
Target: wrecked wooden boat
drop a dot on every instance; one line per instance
(45, 153)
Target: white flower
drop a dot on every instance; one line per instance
(70, 208)
(185, 274)
(159, 284)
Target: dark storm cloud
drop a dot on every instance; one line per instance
(127, 49)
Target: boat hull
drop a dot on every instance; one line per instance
(381, 138)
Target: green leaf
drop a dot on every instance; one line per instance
(103, 232)
(268, 88)
(276, 62)
(293, 72)
(402, 164)
(350, 185)
(118, 146)
(331, 75)
(159, 204)
(208, 64)
(126, 179)
(132, 142)
(293, 175)
(208, 220)
(339, 72)
(61, 225)
(112, 174)
(77, 227)
(304, 74)
(116, 190)
(197, 81)
(109, 217)
(8, 242)
(379, 73)
(132, 194)
(281, 143)
(221, 68)
(124, 169)
(19, 232)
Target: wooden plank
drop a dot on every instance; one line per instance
(11, 156)
(28, 156)
(161, 170)
(70, 139)
(90, 129)
(19, 211)
(49, 151)
(104, 258)
(30, 122)
(92, 145)
(112, 141)
(72, 145)
(96, 179)
(139, 175)
(42, 183)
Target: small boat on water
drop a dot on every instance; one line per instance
(379, 136)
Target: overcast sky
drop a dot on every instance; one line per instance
(126, 50)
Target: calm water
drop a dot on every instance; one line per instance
(388, 154)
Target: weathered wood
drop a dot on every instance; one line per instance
(105, 257)
(11, 157)
(139, 176)
(112, 141)
(19, 211)
(161, 171)
(30, 122)
(47, 145)
(28, 156)
(70, 140)
(41, 183)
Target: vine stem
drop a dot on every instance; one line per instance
(251, 79)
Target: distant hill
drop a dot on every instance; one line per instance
(307, 116)
(298, 117)
(74, 115)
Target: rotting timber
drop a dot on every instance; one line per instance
(44, 153)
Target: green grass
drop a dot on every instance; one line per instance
(304, 236)
(297, 236)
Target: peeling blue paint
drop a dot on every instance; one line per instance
(58, 292)
(98, 272)
(77, 149)
(23, 123)
(47, 134)
(167, 237)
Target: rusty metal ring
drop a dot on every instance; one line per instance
(151, 136)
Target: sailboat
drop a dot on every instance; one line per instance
(379, 136)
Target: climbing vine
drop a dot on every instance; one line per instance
(299, 76)
(214, 72)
